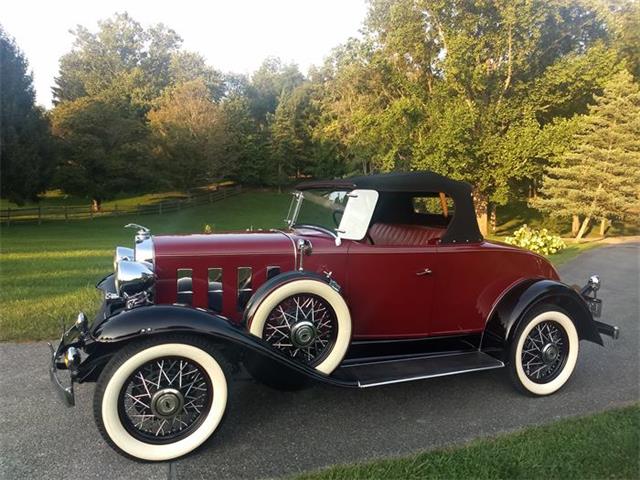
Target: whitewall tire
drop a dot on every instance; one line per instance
(544, 351)
(306, 319)
(161, 399)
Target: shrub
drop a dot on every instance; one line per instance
(538, 241)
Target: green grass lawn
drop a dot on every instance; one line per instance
(57, 198)
(604, 445)
(48, 271)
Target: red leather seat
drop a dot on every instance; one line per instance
(403, 235)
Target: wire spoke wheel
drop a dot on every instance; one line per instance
(545, 352)
(303, 326)
(165, 400)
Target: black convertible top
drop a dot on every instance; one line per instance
(463, 227)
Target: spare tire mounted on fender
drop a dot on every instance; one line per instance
(306, 319)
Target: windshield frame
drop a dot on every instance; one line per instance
(295, 208)
(298, 200)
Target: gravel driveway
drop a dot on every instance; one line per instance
(268, 433)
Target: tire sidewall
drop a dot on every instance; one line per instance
(535, 318)
(107, 407)
(343, 317)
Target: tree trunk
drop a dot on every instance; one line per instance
(493, 219)
(604, 223)
(482, 212)
(583, 228)
(279, 178)
(575, 225)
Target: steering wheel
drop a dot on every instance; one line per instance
(334, 215)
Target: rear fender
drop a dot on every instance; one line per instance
(513, 306)
(111, 334)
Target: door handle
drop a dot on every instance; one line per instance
(426, 271)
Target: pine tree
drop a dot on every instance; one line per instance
(26, 151)
(599, 178)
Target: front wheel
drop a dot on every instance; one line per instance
(544, 351)
(162, 398)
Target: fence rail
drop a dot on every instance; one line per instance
(82, 212)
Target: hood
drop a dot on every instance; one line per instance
(223, 244)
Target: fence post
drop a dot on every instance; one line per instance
(91, 212)
(39, 215)
(8, 216)
(115, 210)
(160, 208)
(66, 213)
(210, 198)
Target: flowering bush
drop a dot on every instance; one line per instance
(538, 241)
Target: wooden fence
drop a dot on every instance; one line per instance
(66, 213)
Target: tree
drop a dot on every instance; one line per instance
(25, 144)
(190, 135)
(103, 147)
(268, 84)
(122, 46)
(600, 176)
(452, 86)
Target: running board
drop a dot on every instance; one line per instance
(373, 374)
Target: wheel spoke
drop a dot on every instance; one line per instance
(320, 327)
(544, 351)
(152, 392)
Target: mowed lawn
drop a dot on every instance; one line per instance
(604, 445)
(48, 272)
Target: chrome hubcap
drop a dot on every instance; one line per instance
(550, 353)
(167, 402)
(303, 334)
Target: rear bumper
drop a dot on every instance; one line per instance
(65, 393)
(589, 294)
(606, 329)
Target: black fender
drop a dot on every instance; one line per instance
(270, 285)
(112, 333)
(514, 305)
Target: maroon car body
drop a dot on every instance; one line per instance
(481, 271)
(389, 281)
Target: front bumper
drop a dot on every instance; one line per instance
(66, 394)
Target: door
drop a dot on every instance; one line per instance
(390, 289)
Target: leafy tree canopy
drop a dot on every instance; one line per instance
(25, 144)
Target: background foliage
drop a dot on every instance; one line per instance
(500, 93)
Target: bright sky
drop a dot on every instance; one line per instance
(233, 35)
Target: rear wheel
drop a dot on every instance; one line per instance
(162, 398)
(544, 351)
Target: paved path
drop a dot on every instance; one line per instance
(269, 433)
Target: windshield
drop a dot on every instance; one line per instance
(321, 208)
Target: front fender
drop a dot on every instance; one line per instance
(110, 334)
(513, 306)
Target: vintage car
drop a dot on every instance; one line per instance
(375, 280)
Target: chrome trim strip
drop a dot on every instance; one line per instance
(293, 244)
(422, 377)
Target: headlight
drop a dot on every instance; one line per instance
(144, 250)
(122, 253)
(133, 277)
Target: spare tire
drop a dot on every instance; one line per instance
(307, 320)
